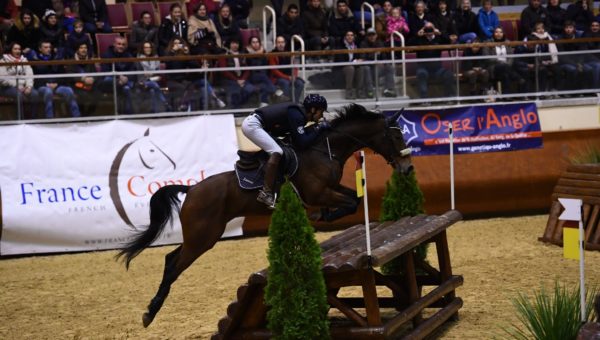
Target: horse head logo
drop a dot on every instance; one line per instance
(143, 153)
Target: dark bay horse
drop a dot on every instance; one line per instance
(210, 204)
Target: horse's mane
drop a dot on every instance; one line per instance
(354, 112)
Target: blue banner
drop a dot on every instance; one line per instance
(476, 129)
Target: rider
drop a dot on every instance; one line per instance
(278, 120)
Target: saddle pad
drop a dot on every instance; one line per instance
(254, 178)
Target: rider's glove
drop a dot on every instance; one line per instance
(323, 125)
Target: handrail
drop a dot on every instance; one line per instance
(273, 25)
(362, 14)
(298, 38)
(402, 42)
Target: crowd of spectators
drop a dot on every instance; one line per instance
(65, 30)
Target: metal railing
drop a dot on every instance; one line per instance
(266, 9)
(403, 53)
(362, 14)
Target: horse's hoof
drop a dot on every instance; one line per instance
(147, 319)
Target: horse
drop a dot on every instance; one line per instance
(211, 203)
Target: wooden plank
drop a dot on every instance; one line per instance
(552, 220)
(346, 310)
(410, 282)
(557, 236)
(592, 223)
(394, 324)
(356, 333)
(581, 176)
(590, 192)
(392, 249)
(443, 254)
(584, 168)
(342, 279)
(429, 325)
(370, 294)
(578, 183)
(256, 311)
(596, 238)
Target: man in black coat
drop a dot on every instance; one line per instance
(290, 23)
(531, 15)
(94, 15)
(124, 83)
(342, 20)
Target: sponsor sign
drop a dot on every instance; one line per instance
(476, 129)
(87, 186)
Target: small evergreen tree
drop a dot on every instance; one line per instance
(402, 198)
(295, 291)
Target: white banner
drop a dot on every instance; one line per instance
(87, 186)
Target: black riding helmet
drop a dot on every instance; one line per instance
(314, 100)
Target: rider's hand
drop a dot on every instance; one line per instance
(323, 125)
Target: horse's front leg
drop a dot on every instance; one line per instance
(342, 199)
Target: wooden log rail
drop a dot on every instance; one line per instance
(581, 182)
(345, 264)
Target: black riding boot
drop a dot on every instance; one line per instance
(265, 195)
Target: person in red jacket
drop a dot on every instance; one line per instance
(282, 77)
(238, 87)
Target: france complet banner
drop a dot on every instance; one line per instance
(477, 129)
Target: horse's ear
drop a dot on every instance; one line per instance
(394, 118)
(147, 133)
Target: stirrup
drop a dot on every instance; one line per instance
(266, 198)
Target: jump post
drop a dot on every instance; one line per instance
(345, 264)
(581, 182)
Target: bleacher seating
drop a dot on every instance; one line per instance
(118, 18)
(138, 7)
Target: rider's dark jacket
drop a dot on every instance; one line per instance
(287, 118)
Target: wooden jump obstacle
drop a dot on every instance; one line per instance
(581, 182)
(345, 264)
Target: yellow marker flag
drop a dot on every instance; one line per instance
(571, 243)
(359, 183)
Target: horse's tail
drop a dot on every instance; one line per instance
(161, 211)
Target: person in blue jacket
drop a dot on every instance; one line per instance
(487, 19)
(278, 120)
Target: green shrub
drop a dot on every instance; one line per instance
(550, 315)
(590, 155)
(402, 198)
(295, 292)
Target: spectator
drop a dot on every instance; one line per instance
(240, 9)
(581, 13)
(94, 15)
(226, 26)
(556, 17)
(124, 82)
(500, 67)
(8, 13)
(369, 72)
(180, 84)
(25, 31)
(531, 15)
(282, 77)
(173, 25)
(314, 21)
(488, 20)
(466, 23)
(259, 78)
(350, 73)
(417, 19)
(203, 36)
(148, 81)
(85, 86)
(290, 23)
(238, 87)
(21, 89)
(381, 20)
(443, 19)
(396, 23)
(76, 38)
(37, 7)
(48, 87)
(593, 59)
(52, 32)
(428, 36)
(341, 21)
(474, 70)
(143, 30)
(572, 67)
(212, 6)
(537, 70)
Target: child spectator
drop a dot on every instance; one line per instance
(488, 20)
(395, 22)
(78, 37)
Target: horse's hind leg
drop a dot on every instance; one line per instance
(196, 241)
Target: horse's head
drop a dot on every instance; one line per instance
(393, 147)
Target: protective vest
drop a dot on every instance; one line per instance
(275, 118)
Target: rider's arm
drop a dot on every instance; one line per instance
(301, 135)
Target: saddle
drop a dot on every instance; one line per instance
(250, 172)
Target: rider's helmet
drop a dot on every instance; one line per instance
(316, 101)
